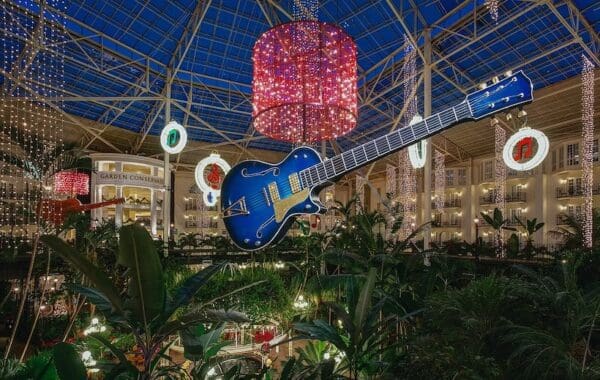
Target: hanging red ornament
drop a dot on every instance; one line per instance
(71, 182)
(304, 85)
(214, 177)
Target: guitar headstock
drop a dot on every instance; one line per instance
(511, 91)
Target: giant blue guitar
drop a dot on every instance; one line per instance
(259, 200)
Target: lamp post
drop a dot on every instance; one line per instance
(476, 221)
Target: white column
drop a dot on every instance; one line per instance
(166, 206)
(429, 155)
(119, 194)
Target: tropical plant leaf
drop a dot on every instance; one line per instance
(98, 278)
(364, 301)
(201, 316)
(123, 362)
(190, 287)
(98, 299)
(68, 363)
(146, 288)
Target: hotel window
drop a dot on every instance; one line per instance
(462, 176)
(514, 214)
(516, 189)
(488, 170)
(450, 177)
(561, 157)
(573, 154)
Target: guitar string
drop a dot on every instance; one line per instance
(461, 111)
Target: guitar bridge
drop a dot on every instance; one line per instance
(236, 208)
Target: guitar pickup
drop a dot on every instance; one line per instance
(294, 182)
(274, 192)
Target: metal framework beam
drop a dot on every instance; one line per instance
(181, 50)
(576, 21)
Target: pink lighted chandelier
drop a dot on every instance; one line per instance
(71, 182)
(304, 85)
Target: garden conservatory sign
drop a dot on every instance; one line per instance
(129, 179)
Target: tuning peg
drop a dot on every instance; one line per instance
(508, 73)
(509, 116)
(521, 114)
(482, 86)
(495, 80)
(494, 121)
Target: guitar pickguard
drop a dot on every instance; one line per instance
(282, 206)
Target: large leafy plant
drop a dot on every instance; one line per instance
(144, 310)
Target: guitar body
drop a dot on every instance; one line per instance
(259, 200)
(56, 211)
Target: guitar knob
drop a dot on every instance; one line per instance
(257, 243)
(246, 240)
(308, 207)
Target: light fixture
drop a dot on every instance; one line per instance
(304, 86)
(173, 138)
(522, 139)
(94, 327)
(300, 303)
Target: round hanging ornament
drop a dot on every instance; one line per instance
(526, 149)
(173, 138)
(209, 175)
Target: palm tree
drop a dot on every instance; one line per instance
(498, 223)
(572, 234)
(531, 226)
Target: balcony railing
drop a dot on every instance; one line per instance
(490, 198)
(450, 203)
(561, 219)
(516, 197)
(448, 223)
(575, 191)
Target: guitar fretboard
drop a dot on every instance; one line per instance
(364, 154)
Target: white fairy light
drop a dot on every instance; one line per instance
(360, 192)
(587, 162)
(439, 182)
(500, 169)
(492, 6)
(391, 183)
(407, 188)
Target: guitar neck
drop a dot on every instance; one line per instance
(100, 204)
(371, 151)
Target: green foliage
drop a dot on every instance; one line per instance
(270, 300)
(68, 363)
(144, 311)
